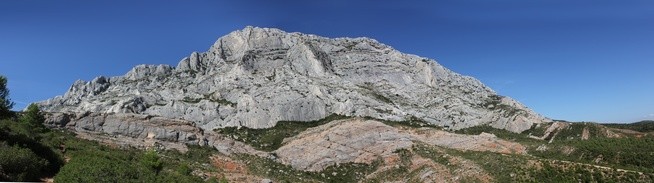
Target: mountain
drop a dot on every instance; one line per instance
(256, 77)
(264, 105)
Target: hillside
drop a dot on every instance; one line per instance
(642, 126)
(388, 151)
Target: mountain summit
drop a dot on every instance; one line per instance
(256, 77)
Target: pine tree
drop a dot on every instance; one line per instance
(5, 103)
(33, 118)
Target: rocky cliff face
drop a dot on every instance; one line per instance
(256, 77)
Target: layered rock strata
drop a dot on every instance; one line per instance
(256, 77)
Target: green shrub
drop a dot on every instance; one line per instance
(184, 169)
(92, 162)
(19, 135)
(151, 160)
(20, 164)
(102, 168)
(270, 139)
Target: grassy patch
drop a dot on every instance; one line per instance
(270, 139)
(431, 152)
(348, 172)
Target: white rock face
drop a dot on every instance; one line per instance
(256, 77)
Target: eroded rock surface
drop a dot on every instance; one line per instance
(358, 141)
(145, 131)
(364, 141)
(256, 77)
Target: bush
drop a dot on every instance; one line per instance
(102, 168)
(20, 164)
(17, 135)
(151, 160)
(93, 162)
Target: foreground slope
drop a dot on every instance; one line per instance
(345, 150)
(256, 77)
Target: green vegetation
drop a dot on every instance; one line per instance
(20, 164)
(642, 126)
(369, 88)
(152, 161)
(348, 172)
(31, 152)
(26, 153)
(412, 122)
(574, 131)
(92, 162)
(271, 139)
(537, 130)
(500, 133)
(209, 98)
(432, 153)
(5, 103)
(33, 118)
(495, 103)
(224, 102)
(627, 152)
(505, 167)
(191, 100)
(520, 168)
(381, 98)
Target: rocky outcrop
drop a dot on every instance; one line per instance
(358, 141)
(145, 131)
(256, 77)
(131, 125)
(364, 141)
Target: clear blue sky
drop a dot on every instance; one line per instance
(581, 60)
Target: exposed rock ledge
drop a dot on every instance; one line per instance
(145, 131)
(363, 141)
(343, 141)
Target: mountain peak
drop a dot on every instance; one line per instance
(255, 77)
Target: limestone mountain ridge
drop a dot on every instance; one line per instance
(256, 77)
